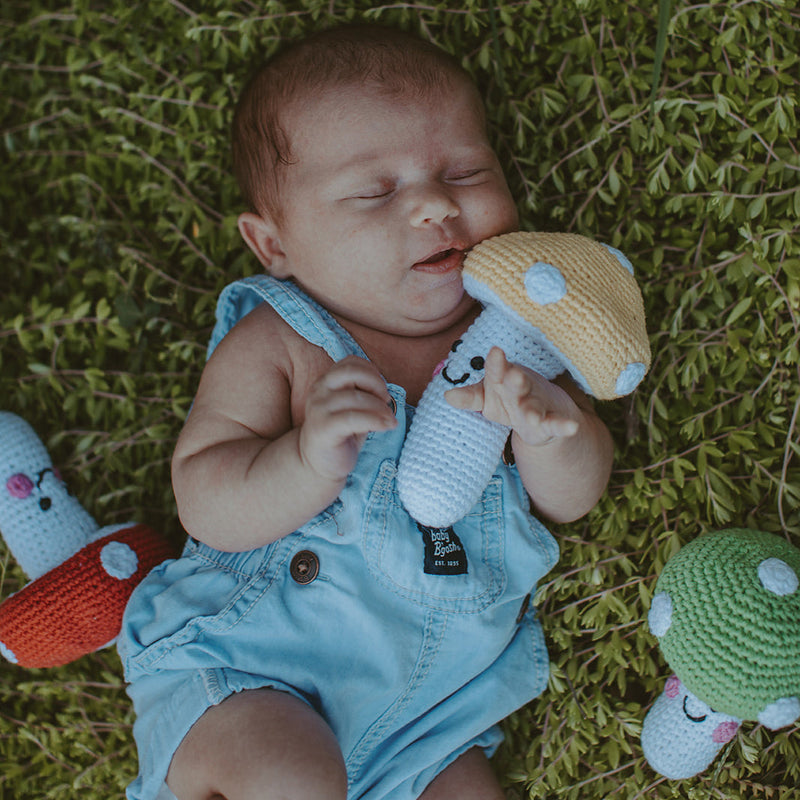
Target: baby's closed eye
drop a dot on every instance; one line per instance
(468, 176)
(372, 193)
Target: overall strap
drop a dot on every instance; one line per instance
(295, 307)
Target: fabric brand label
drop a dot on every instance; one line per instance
(444, 553)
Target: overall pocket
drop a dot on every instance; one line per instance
(195, 599)
(459, 569)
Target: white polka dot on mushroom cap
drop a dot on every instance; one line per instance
(7, 654)
(544, 283)
(620, 256)
(659, 618)
(119, 560)
(630, 378)
(778, 577)
(782, 712)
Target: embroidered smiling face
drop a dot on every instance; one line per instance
(727, 616)
(42, 523)
(22, 487)
(682, 734)
(462, 368)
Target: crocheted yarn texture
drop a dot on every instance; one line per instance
(77, 607)
(578, 293)
(733, 637)
(553, 302)
(81, 574)
(42, 523)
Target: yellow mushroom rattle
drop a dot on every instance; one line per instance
(553, 302)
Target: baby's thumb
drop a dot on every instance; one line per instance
(466, 398)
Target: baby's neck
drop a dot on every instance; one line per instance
(409, 361)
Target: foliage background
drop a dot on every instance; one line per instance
(118, 231)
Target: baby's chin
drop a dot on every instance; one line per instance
(444, 313)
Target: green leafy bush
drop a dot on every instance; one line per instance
(118, 231)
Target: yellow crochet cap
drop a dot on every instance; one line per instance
(580, 294)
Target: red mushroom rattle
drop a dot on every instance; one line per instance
(81, 575)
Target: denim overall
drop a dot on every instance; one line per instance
(412, 643)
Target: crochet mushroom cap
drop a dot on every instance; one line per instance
(729, 622)
(579, 293)
(77, 607)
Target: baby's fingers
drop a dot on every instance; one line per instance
(539, 429)
(474, 397)
(354, 410)
(466, 398)
(344, 405)
(354, 373)
(538, 418)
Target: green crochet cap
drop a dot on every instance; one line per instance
(728, 619)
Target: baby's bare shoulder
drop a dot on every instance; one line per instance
(266, 360)
(260, 341)
(247, 337)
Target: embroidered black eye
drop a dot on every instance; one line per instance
(693, 718)
(477, 363)
(456, 343)
(45, 503)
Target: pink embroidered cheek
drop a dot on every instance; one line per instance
(724, 732)
(19, 486)
(439, 368)
(673, 687)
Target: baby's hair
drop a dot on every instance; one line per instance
(391, 61)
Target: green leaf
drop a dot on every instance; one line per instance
(668, 130)
(664, 14)
(738, 310)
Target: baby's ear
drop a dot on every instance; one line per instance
(261, 235)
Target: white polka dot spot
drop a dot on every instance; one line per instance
(544, 283)
(659, 618)
(781, 713)
(630, 378)
(621, 257)
(119, 560)
(7, 653)
(777, 576)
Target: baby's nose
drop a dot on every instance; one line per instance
(432, 205)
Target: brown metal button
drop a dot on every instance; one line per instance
(304, 567)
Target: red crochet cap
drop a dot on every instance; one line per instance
(76, 607)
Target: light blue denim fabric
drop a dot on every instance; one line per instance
(410, 669)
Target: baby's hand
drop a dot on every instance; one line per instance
(343, 406)
(537, 410)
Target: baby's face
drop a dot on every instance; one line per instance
(381, 201)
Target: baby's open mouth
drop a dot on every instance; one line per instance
(443, 261)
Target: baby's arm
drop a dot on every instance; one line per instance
(259, 457)
(562, 449)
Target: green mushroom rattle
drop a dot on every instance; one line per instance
(726, 613)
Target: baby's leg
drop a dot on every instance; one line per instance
(257, 745)
(469, 777)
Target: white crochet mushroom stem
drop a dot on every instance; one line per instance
(450, 454)
(681, 735)
(42, 523)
